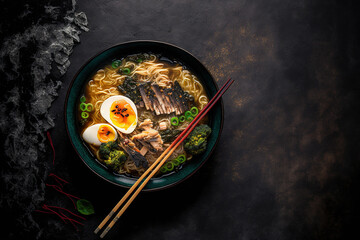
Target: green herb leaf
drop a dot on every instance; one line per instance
(85, 207)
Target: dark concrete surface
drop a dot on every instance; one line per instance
(287, 165)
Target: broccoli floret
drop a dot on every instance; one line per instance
(202, 129)
(115, 160)
(195, 145)
(106, 148)
(112, 155)
(196, 142)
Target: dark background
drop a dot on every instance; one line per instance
(287, 164)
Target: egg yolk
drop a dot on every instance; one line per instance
(121, 114)
(105, 134)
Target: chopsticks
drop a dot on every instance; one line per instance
(159, 162)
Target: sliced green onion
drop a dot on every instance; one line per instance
(182, 118)
(139, 60)
(176, 162)
(174, 121)
(194, 111)
(181, 158)
(126, 71)
(187, 114)
(163, 169)
(169, 166)
(116, 63)
(83, 106)
(83, 99)
(189, 119)
(84, 115)
(89, 107)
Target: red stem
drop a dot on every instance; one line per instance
(59, 189)
(47, 208)
(68, 211)
(70, 220)
(61, 214)
(43, 211)
(57, 177)
(52, 145)
(59, 183)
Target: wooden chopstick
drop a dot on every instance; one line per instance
(167, 153)
(185, 132)
(156, 162)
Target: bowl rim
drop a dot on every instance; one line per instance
(143, 41)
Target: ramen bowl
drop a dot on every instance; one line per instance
(168, 51)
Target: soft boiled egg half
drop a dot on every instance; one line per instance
(99, 133)
(120, 112)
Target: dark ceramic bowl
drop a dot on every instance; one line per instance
(105, 57)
